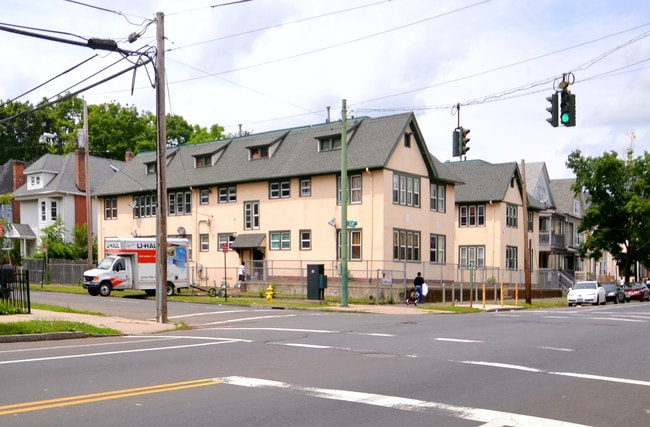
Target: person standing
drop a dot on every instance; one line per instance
(242, 272)
(418, 282)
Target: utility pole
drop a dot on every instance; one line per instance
(344, 205)
(89, 206)
(161, 170)
(525, 221)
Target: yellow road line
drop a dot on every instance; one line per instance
(107, 395)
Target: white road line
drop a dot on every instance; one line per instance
(244, 319)
(110, 353)
(564, 374)
(315, 331)
(458, 340)
(618, 319)
(131, 338)
(556, 348)
(207, 313)
(602, 378)
(494, 418)
(314, 346)
(500, 365)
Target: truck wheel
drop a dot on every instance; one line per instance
(170, 289)
(105, 289)
(93, 292)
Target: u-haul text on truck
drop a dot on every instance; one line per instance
(131, 264)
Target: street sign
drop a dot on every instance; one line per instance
(352, 223)
(224, 247)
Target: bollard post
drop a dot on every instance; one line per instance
(484, 296)
(501, 294)
(516, 294)
(443, 294)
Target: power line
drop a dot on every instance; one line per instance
(283, 24)
(70, 95)
(48, 81)
(125, 16)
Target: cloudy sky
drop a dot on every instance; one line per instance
(274, 64)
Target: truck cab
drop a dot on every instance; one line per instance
(114, 272)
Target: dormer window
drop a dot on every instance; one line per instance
(258, 152)
(203, 161)
(35, 182)
(150, 168)
(329, 143)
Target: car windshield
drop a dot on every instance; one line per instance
(635, 285)
(585, 285)
(610, 286)
(106, 263)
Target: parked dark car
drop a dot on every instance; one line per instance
(614, 293)
(637, 291)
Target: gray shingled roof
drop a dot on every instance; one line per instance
(563, 195)
(100, 170)
(293, 152)
(483, 181)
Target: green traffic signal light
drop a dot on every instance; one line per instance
(567, 108)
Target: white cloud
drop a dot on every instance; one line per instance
(383, 62)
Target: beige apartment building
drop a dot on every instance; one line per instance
(274, 199)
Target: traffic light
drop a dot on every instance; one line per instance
(553, 109)
(567, 108)
(463, 141)
(455, 143)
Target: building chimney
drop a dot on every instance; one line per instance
(19, 180)
(128, 156)
(328, 115)
(80, 169)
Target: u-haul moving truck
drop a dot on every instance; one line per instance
(131, 264)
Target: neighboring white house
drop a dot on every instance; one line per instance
(55, 187)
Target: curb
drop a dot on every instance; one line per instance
(42, 337)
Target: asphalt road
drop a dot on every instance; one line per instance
(248, 367)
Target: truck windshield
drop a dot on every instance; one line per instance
(106, 263)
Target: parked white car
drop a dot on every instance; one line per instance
(588, 291)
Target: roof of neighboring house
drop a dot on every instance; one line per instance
(64, 169)
(484, 181)
(564, 196)
(20, 231)
(292, 152)
(7, 176)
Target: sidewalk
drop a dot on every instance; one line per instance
(124, 325)
(143, 327)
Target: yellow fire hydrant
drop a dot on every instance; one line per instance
(269, 294)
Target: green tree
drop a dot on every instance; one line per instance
(20, 137)
(617, 219)
(200, 134)
(114, 130)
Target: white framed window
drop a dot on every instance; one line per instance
(406, 190)
(406, 245)
(227, 194)
(437, 244)
(280, 240)
(305, 240)
(251, 215)
(204, 240)
(305, 187)
(471, 257)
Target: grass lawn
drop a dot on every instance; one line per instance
(45, 326)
